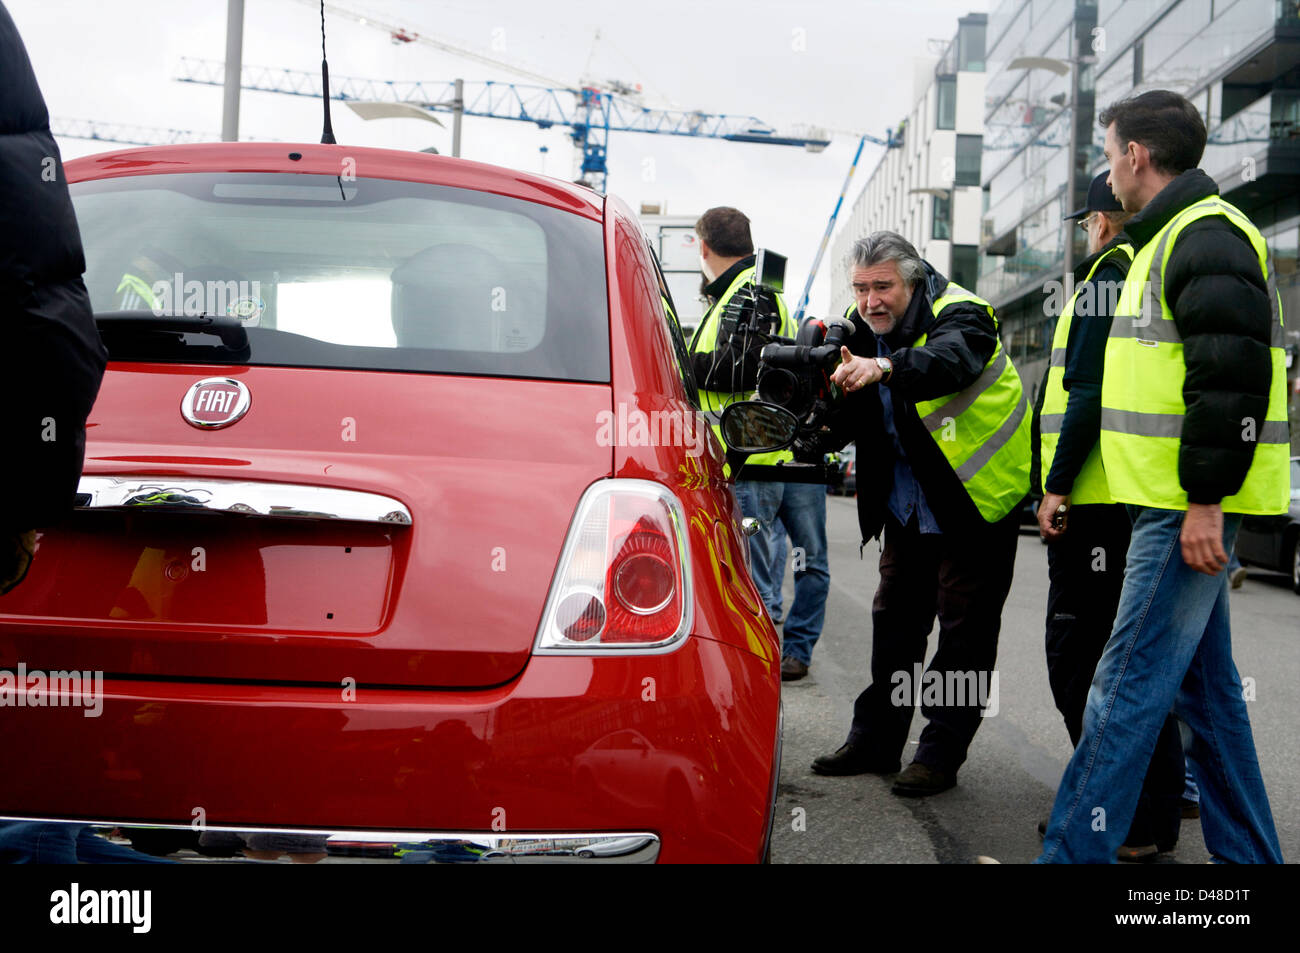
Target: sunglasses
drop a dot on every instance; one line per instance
(1086, 222)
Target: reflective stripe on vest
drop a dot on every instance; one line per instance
(1142, 386)
(139, 294)
(1090, 484)
(983, 431)
(713, 403)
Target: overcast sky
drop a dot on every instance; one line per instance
(845, 65)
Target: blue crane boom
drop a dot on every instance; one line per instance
(589, 113)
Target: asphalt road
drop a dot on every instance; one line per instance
(1016, 760)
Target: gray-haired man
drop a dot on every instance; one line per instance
(943, 442)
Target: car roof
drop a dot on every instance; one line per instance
(320, 159)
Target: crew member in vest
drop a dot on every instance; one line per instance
(1087, 533)
(1193, 435)
(724, 358)
(943, 447)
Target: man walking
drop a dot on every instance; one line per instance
(943, 433)
(1087, 532)
(1193, 435)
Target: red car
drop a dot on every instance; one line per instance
(398, 521)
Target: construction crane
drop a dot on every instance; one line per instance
(127, 134)
(589, 113)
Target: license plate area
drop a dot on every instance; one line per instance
(315, 576)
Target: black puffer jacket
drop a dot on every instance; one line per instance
(51, 361)
(959, 342)
(1219, 299)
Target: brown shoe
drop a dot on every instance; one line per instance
(853, 759)
(792, 669)
(1137, 854)
(921, 780)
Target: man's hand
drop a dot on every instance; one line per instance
(855, 373)
(1047, 513)
(1202, 538)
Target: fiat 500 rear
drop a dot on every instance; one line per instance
(365, 564)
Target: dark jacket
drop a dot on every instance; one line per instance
(959, 342)
(1085, 358)
(1219, 300)
(732, 364)
(52, 359)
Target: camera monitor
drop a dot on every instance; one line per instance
(769, 268)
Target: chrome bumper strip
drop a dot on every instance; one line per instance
(280, 500)
(38, 840)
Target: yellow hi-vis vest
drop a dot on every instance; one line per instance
(983, 431)
(1090, 485)
(1142, 386)
(712, 402)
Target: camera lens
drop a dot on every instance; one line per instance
(777, 386)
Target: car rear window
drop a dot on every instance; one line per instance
(326, 271)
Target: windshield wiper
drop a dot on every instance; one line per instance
(225, 326)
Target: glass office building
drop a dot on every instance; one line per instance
(1237, 60)
(928, 189)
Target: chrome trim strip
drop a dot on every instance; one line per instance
(232, 844)
(279, 500)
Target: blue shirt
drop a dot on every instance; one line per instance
(906, 499)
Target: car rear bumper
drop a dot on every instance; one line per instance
(680, 746)
(61, 840)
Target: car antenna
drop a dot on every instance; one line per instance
(327, 135)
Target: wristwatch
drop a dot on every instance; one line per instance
(886, 368)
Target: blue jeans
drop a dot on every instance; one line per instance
(1171, 647)
(801, 507)
(776, 539)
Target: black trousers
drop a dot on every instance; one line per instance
(1086, 574)
(964, 580)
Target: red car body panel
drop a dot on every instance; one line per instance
(407, 605)
(453, 718)
(411, 760)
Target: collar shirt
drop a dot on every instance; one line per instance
(906, 498)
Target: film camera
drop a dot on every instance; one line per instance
(796, 378)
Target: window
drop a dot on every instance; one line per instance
(969, 149)
(965, 265)
(970, 47)
(940, 218)
(374, 274)
(946, 103)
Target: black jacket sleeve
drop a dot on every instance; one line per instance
(958, 345)
(1219, 298)
(52, 359)
(1085, 358)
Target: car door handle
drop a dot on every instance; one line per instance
(247, 497)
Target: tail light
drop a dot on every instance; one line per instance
(623, 582)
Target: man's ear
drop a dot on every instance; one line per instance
(705, 250)
(1139, 155)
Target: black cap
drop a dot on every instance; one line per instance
(1100, 199)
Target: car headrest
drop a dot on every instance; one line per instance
(443, 297)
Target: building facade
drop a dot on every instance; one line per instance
(1237, 60)
(929, 188)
